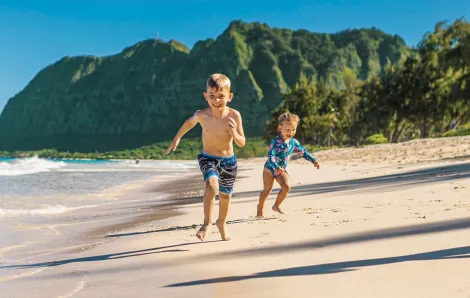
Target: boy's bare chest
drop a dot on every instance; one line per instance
(215, 127)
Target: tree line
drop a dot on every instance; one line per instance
(426, 94)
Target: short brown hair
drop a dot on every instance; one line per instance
(218, 81)
(289, 117)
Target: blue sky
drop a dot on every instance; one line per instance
(34, 34)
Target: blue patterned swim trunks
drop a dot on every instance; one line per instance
(224, 168)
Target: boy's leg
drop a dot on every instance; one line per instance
(208, 168)
(284, 182)
(228, 174)
(210, 191)
(268, 181)
(224, 204)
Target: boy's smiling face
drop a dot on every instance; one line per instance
(218, 99)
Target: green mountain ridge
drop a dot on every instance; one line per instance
(144, 93)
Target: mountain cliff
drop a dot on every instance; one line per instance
(144, 93)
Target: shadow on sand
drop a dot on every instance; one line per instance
(380, 234)
(114, 256)
(329, 268)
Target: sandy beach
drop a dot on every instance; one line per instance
(381, 221)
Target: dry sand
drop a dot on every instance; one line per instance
(381, 221)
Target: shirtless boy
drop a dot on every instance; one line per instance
(221, 126)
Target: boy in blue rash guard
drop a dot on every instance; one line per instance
(280, 149)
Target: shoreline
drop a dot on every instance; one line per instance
(161, 208)
(84, 229)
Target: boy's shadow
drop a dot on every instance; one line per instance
(114, 256)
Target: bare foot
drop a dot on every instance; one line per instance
(222, 230)
(277, 209)
(259, 212)
(203, 231)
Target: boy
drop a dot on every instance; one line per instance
(221, 126)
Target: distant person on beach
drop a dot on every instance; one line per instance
(279, 152)
(221, 126)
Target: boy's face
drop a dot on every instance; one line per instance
(287, 129)
(218, 99)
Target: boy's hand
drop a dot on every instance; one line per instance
(173, 145)
(316, 165)
(232, 124)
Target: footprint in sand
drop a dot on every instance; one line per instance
(420, 217)
(260, 235)
(309, 211)
(344, 221)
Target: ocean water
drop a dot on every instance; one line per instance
(41, 186)
(45, 202)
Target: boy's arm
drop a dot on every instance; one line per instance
(187, 126)
(236, 129)
(303, 152)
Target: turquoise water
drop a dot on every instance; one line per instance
(29, 185)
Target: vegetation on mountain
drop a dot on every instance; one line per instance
(426, 94)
